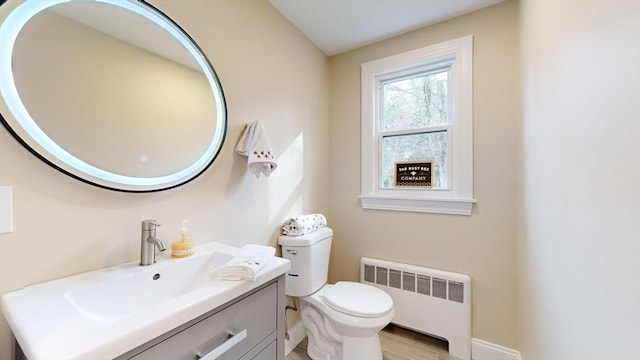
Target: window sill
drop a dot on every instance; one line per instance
(414, 204)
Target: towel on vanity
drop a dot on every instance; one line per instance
(254, 144)
(247, 264)
(303, 224)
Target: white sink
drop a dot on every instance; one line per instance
(105, 313)
(131, 290)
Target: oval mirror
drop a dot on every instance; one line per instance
(110, 92)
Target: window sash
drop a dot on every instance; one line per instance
(405, 74)
(416, 131)
(420, 131)
(430, 67)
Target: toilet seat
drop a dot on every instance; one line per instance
(342, 319)
(357, 299)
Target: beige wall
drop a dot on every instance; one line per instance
(269, 71)
(481, 245)
(579, 248)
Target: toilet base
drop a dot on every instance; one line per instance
(324, 343)
(367, 348)
(350, 349)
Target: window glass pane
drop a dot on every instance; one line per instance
(417, 102)
(430, 146)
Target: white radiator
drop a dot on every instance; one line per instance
(426, 300)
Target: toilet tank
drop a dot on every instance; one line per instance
(309, 256)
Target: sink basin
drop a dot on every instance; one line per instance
(105, 313)
(134, 289)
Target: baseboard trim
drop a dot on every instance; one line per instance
(296, 334)
(484, 350)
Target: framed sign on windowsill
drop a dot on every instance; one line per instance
(412, 174)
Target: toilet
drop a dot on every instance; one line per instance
(342, 320)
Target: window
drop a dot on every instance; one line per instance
(417, 107)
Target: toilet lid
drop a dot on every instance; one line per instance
(358, 299)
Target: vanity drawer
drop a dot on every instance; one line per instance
(238, 327)
(269, 353)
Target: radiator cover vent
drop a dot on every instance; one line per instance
(427, 300)
(409, 281)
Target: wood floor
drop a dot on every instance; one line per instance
(397, 344)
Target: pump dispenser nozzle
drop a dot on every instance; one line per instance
(184, 230)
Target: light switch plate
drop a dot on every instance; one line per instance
(6, 209)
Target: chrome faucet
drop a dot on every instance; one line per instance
(149, 242)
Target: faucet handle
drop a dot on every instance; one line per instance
(149, 225)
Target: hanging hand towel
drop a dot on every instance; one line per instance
(303, 224)
(246, 265)
(254, 144)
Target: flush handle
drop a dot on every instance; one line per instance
(292, 251)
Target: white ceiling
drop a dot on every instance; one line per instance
(337, 26)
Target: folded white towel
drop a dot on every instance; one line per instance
(247, 264)
(303, 224)
(255, 145)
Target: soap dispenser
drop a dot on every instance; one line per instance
(183, 247)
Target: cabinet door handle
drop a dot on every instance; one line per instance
(232, 341)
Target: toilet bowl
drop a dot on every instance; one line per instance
(342, 321)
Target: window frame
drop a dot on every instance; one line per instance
(458, 198)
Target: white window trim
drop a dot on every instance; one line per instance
(458, 199)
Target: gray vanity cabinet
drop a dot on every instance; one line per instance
(250, 327)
